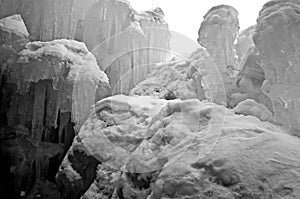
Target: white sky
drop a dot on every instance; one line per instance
(185, 16)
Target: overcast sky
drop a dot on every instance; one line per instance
(185, 16)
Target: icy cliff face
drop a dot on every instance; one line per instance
(133, 41)
(154, 148)
(49, 19)
(218, 33)
(277, 41)
(126, 43)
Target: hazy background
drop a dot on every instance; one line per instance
(185, 16)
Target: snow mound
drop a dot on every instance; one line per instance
(154, 148)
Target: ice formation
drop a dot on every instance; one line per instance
(71, 70)
(125, 42)
(218, 33)
(154, 148)
(277, 41)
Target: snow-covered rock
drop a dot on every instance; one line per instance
(277, 41)
(125, 42)
(154, 148)
(218, 33)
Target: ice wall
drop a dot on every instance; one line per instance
(125, 42)
(218, 33)
(278, 43)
